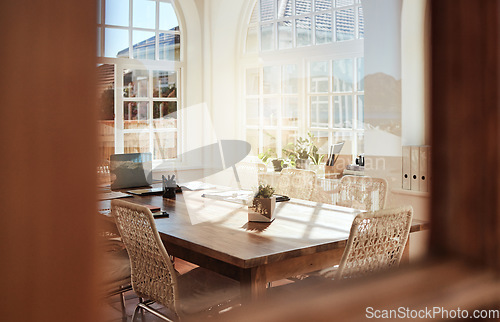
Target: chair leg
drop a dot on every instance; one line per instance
(135, 313)
(124, 312)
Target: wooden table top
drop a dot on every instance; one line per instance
(221, 230)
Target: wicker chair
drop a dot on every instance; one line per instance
(296, 183)
(365, 193)
(153, 275)
(376, 242)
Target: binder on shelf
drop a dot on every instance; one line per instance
(424, 168)
(415, 168)
(406, 168)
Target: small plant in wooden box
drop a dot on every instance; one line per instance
(263, 205)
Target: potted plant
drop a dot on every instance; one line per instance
(303, 150)
(263, 205)
(278, 164)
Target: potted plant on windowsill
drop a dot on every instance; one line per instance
(263, 205)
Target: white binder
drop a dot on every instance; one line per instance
(415, 168)
(406, 167)
(424, 168)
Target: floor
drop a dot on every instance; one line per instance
(111, 309)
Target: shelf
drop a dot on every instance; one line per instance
(411, 193)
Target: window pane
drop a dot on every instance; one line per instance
(252, 40)
(266, 10)
(252, 81)
(290, 79)
(288, 136)
(144, 44)
(253, 139)
(302, 6)
(117, 13)
(323, 5)
(361, 23)
(319, 111)
(135, 115)
(270, 111)
(285, 34)
(361, 112)
(170, 44)
(319, 77)
(303, 29)
(164, 115)
(360, 68)
(144, 14)
(342, 75)
(272, 80)
(106, 104)
(164, 84)
(164, 145)
(342, 111)
(135, 83)
(339, 136)
(343, 3)
(284, 8)
(270, 141)
(136, 142)
(321, 141)
(344, 24)
(116, 43)
(324, 32)
(290, 114)
(252, 111)
(267, 37)
(168, 18)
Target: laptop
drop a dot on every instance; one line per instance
(130, 170)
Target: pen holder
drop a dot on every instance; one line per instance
(169, 193)
(330, 172)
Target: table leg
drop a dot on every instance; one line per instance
(405, 259)
(253, 283)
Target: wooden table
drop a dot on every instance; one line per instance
(305, 236)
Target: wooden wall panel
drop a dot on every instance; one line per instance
(47, 144)
(465, 137)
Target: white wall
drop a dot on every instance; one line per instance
(413, 74)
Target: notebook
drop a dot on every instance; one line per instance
(131, 170)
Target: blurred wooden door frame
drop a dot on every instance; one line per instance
(48, 143)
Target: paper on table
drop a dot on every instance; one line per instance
(196, 185)
(238, 196)
(113, 195)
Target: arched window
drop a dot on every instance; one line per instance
(304, 70)
(140, 62)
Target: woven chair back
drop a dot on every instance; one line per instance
(153, 275)
(376, 242)
(296, 183)
(365, 193)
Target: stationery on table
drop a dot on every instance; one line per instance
(333, 153)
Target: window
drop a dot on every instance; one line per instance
(304, 70)
(139, 76)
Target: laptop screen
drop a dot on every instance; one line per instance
(131, 170)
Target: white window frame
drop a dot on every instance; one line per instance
(122, 64)
(301, 56)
